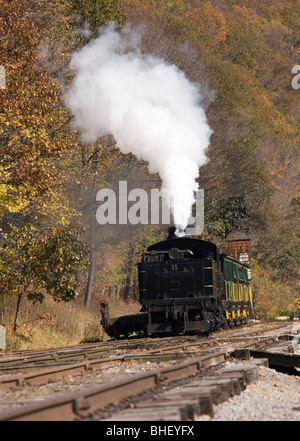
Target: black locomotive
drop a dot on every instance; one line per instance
(186, 286)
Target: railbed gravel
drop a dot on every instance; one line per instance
(274, 397)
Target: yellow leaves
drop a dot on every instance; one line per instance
(296, 304)
(12, 199)
(268, 298)
(56, 208)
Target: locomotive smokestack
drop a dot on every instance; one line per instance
(172, 234)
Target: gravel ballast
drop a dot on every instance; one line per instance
(274, 397)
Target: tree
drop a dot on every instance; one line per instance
(223, 215)
(32, 116)
(95, 13)
(33, 263)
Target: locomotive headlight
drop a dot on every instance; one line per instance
(174, 253)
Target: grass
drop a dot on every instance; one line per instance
(52, 325)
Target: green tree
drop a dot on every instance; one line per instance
(224, 214)
(33, 263)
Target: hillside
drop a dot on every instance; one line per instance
(239, 53)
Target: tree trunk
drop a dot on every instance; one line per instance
(18, 311)
(91, 272)
(88, 291)
(127, 294)
(2, 310)
(128, 288)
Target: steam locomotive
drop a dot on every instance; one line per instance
(186, 285)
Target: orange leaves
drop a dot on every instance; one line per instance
(247, 13)
(212, 21)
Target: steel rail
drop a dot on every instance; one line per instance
(51, 356)
(44, 375)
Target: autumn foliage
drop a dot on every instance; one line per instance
(31, 103)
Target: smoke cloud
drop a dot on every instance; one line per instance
(148, 105)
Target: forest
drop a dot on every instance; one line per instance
(242, 54)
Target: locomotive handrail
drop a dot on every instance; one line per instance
(153, 252)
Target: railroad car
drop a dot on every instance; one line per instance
(186, 285)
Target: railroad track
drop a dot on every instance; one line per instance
(99, 401)
(31, 359)
(87, 402)
(173, 353)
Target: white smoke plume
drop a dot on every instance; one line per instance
(148, 105)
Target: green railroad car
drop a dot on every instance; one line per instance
(237, 290)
